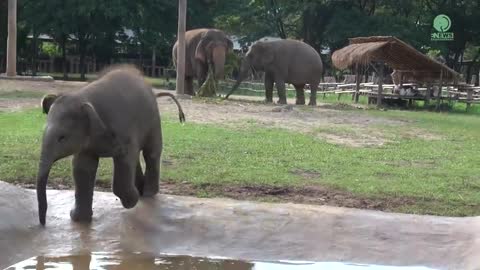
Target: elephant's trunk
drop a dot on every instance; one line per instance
(244, 71)
(42, 177)
(219, 55)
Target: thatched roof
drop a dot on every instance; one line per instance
(397, 54)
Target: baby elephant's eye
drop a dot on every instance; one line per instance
(61, 138)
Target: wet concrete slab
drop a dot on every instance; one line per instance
(235, 229)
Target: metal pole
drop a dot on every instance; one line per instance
(12, 39)
(182, 10)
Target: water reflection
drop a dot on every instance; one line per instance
(136, 261)
(140, 261)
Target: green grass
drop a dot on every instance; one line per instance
(441, 175)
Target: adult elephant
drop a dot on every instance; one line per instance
(283, 61)
(203, 47)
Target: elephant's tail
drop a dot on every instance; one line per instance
(181, 115)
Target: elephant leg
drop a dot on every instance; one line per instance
(313, 94)
(124, 172)
(139, 178)
(189, 86)
(300, 98)
(84, 172)
(268, 88)
(152, 153)
(282, 96)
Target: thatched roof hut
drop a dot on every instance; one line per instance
(401, 57)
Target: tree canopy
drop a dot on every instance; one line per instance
(100, 28)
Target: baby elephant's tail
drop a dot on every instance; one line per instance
(181, 115)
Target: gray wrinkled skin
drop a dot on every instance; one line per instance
(203, 46)
(116, 116)
(284, 61)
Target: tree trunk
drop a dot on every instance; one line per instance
(140, 56)
(34, 52)
(182, 10)
(154, 61)
(82, 47)
(63, 44)
(12, 38)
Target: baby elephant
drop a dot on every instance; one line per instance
(115, 116)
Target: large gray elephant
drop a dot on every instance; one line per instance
(115, 116)
(283, 61)
(203, 46)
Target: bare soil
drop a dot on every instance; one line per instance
(316, 195)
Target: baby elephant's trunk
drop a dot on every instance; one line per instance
(42, 178)
(181, 115)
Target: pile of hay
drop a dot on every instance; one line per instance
(210, 86)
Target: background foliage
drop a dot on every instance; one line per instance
(115, 28)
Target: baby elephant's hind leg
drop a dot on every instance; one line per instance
(139, 178)
(151, 154)
(124, 177)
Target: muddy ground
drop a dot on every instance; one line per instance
(339, 124)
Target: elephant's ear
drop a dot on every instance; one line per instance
(201, 50)
(96, 125)
(267, 53)
(47, 102)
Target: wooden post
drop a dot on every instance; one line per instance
(357, 86)
(12, 39)
(427, 94)
(469, 97)
(182, 10)
(439, 96)
(380, 85)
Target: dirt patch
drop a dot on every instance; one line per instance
(306, 195)
(237, 114)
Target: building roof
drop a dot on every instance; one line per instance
(397, 54)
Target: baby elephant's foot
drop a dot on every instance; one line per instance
(150, 190)
(81, 215)
(129, 200)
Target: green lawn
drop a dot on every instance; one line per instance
(439, 176)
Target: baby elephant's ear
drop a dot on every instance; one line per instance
(47, 102)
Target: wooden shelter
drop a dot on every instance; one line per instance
(408, 63)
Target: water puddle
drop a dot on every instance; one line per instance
(140, 261)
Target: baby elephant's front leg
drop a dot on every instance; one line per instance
(84, 171)
(124, 180)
